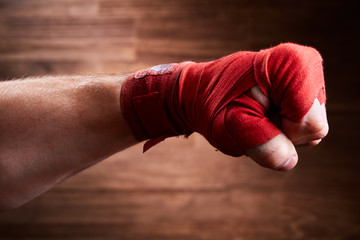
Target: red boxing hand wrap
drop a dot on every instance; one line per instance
(213, 98)
(292, 77)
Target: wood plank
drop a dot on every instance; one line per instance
(184, 189)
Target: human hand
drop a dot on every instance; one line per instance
(231, 100)
(291, 95)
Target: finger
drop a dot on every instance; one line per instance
(279, 154)
(309, 144)
(260, 97)
(310, 129)
(258, 136)
(295, 76)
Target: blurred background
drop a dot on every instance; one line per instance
(184, 189)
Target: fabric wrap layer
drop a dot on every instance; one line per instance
(213, 98)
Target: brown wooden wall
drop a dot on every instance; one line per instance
(184, 189)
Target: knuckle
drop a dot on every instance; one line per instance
(317, 129)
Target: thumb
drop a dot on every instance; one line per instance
(278, 153)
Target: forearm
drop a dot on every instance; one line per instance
(52, 127)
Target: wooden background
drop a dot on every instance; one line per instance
(184, 189)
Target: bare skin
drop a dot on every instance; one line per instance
(280, 153)
(53, 127)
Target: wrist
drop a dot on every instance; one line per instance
(149, 102)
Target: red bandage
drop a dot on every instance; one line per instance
(213, 98)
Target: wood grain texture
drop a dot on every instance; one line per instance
(183, 188)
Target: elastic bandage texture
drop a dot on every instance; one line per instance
(213, 98)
